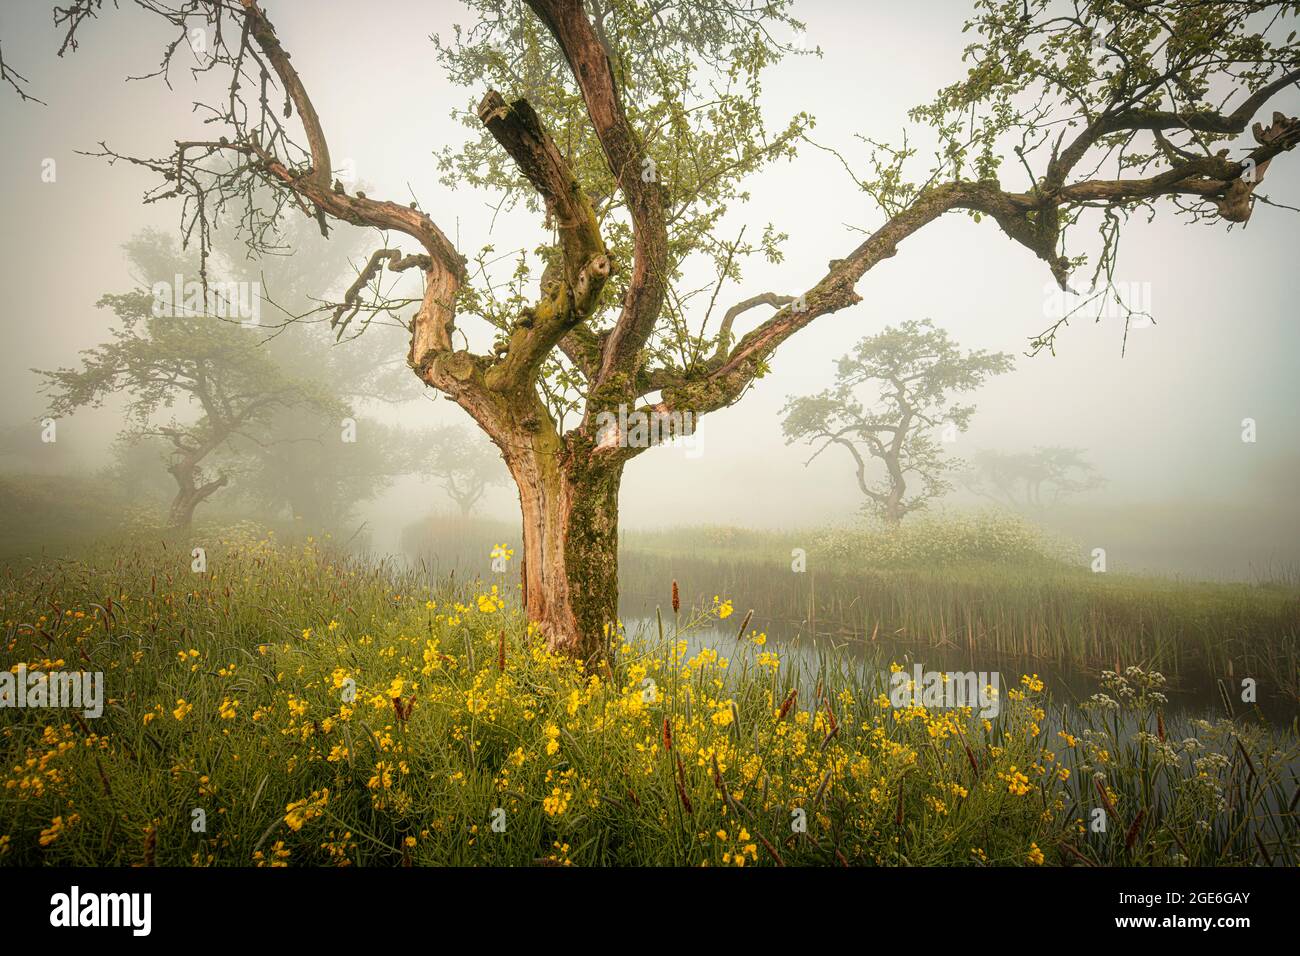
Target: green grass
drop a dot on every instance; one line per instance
(231, 693)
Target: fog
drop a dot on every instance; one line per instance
(1159, 415)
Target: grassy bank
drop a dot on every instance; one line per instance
(321, 711)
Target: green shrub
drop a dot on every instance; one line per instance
(939, 539)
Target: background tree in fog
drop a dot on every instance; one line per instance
(465, 465)
(908, 374)
(629, 128)
(316, 478)
(328, 458)
(213, 368)
(1033, 480)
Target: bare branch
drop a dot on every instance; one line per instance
(774, 299)
(586, 265)
(16, 80)
(636, 177)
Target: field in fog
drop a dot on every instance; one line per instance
(650, 432)
(286, 698)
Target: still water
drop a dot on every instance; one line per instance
(1192, 694)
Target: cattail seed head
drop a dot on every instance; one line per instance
(770, 849)
(668, 735)
(821, 790)
(1105, 798)
(677, 597)
(681, 787)
(1132, 835)
(789, 702)
(403, 707)
(744, 625)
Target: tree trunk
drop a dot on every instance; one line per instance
(189, 494)
(568, 500)
(893, 508)
(569, 505)
(181, 515)
(466, 499)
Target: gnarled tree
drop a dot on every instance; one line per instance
(632, 125)
(160, 358)
(912, 371)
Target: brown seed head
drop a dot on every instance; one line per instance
(789, 702)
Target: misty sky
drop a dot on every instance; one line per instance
(1161, 423)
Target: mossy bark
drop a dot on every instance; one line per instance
(568, 499)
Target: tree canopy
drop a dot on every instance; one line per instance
(1036, 479)
(160, 358)
(911, 372)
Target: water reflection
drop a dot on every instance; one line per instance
(1192, 694)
